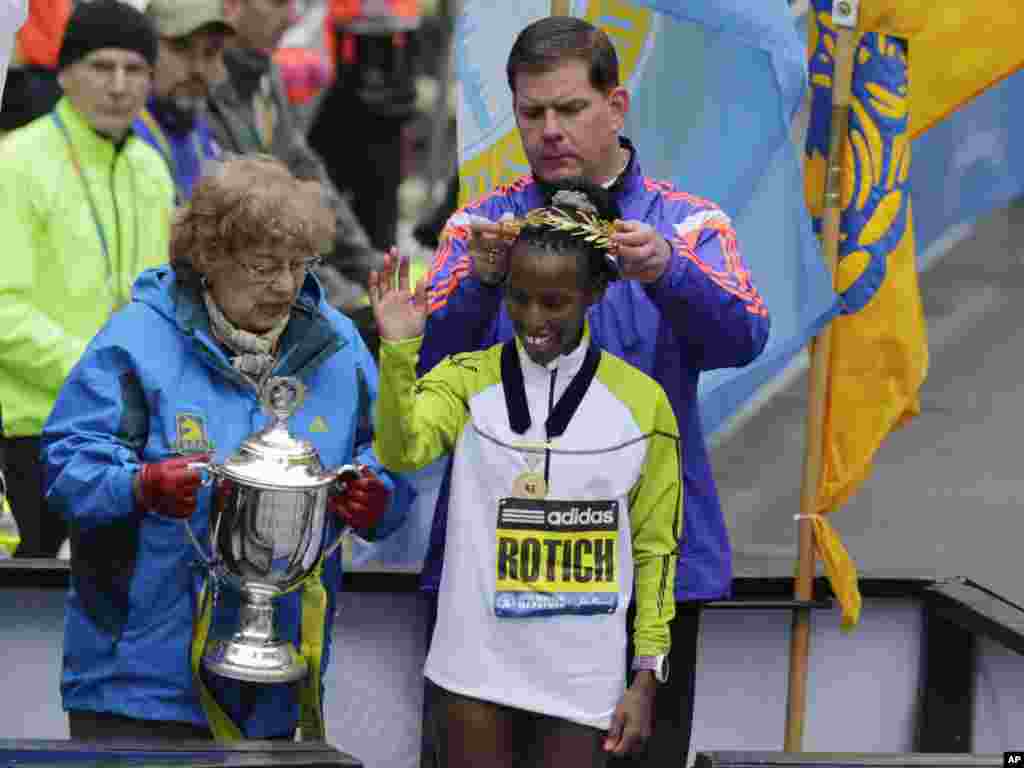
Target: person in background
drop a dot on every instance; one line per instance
(174, 378)
(87, 207)
(372, 97)
(250, 113)
(191, 46)
(687, 303)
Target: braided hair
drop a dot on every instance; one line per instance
(582, 211)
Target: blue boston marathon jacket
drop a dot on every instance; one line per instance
(151, 384)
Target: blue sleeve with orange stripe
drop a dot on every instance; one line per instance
(462, 310)
(706, 294)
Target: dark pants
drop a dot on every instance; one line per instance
(669, 744)
(673, 704)
(42, 530)
(106, 727)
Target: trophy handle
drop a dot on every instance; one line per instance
(341, 474)
(206, 468)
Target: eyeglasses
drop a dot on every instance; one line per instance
(265, 273)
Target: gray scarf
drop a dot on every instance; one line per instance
(252, 353)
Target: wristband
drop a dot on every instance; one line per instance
(656, 664)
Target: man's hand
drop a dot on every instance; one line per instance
(631, 722)
(360, 502)
(488, 250)
(399, 314)
(642, 252)
(169, 487)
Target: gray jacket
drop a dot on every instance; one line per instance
(234, 126)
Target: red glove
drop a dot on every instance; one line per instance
(360, 502)
(169, 487)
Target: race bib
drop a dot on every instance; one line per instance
(556, 558)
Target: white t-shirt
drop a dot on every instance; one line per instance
(566, 666)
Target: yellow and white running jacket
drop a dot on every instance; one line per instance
(565, 492)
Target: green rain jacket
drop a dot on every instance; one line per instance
(59, 284)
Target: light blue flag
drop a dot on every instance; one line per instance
(968, 165)
(713, 113)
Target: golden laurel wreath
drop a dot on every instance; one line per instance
(583, 225)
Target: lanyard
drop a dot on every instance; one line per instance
(264, 114)
(164, 148)
(562, 412)
(85, 187)
(97, 222)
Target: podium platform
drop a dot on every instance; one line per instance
(934, 667)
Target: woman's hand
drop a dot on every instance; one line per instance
(631, 722)
(399, 313)
(169, 487)
(360, 502)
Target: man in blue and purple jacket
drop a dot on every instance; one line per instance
(686, 303)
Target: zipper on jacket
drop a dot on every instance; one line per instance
(547, 437)
(113, 266)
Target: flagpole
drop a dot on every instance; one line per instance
(844, 16)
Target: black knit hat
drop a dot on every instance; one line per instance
(106, 24)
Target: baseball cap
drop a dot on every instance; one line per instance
(179, 18)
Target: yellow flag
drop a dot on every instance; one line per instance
(879, 354)
(10, 536)
(916, 62)
(958, 48)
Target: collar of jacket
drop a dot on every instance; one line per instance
(516, 365)
(628, 187)
(171, 118)
(308, 340)
(631, 180)
(245, 69)
(91, 146)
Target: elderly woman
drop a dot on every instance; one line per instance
(173, 378)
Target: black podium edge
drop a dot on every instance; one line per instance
(765, 759)
(245, 754)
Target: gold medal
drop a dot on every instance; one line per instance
(530, 485)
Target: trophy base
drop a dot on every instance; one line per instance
(236, 659)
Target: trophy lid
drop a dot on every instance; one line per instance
(273, 458)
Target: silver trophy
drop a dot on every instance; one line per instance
(268, 529)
